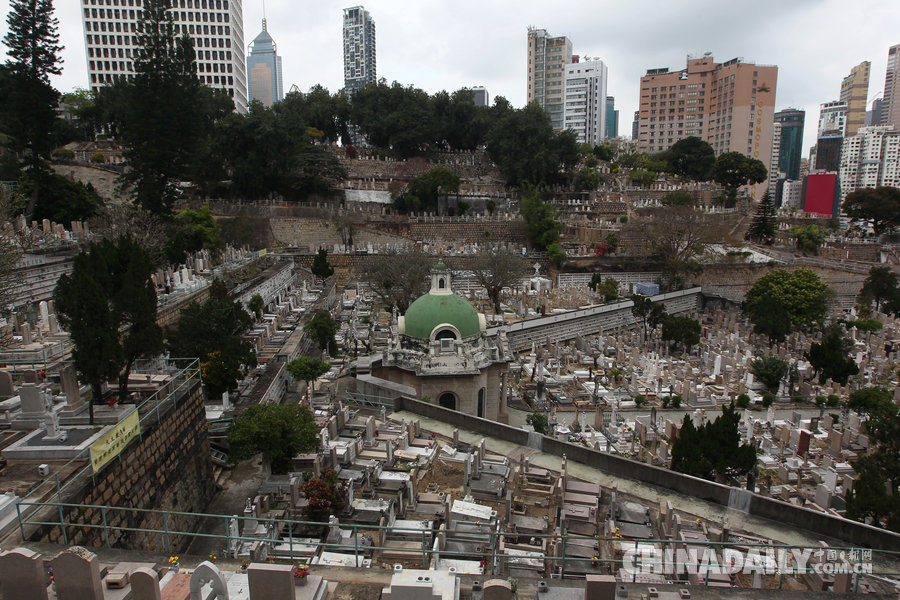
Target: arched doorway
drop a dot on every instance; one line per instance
(448, 400)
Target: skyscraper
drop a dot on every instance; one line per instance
(480, 96)
(790, 121)
(870, 159)
(359, 49)
(612, 118)
(215, 26)
(264, 74)
(890, 108)
(585, 100)
(730, 105)
(854, 91)
(547, 60)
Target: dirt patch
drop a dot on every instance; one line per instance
(357, 591)
(444, 477)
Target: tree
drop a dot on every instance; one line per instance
(398, 278)
(678, 236)
(762, 229)
(691, 157)
(61, 200)
(307, 369)
(649, 312)
(733, 170)
(782, 300)
(808, 238)
(108, 305)
(256, 305)
(321, 328)
(524, 146)
(28, 100)
(714, 450)
(681, 330)
(880, 286)
(743, 401)
(192, 231)
(397, 118)
(164, 101)
(324, 495)
(770, 370)
(496, 270)
(215, 326)
(608, 288)
(829, 358)
(881, 205)
(868, 400)
(278, 431)
(320, 266)
(538, 421)
(540, 219)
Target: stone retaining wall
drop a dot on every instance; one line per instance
(167, 469)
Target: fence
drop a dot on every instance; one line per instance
(550, 554)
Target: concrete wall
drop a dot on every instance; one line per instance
(167, 469)
(817, 522)
(589, 321)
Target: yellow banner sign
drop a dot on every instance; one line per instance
(108, 447)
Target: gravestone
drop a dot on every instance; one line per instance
(22, 575)
(76, 572)
(144, 584)
(7, 390)
(271, 581)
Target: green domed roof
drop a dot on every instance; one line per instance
(432, 310)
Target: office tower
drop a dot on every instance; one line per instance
(873, 115)
(612, 118)
(890, 108)
(870, 159)
(480, 96)
(821, 194)
(730, 105)
(264, 70)
(585, 100)
(790, 141)
(547, 60)
(215, 26)
(634, 125)
(854, 92)
(359, 49)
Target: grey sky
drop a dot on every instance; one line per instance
(438, 45)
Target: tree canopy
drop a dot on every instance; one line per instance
(108, 305)
(320, 266)
(398, 278)
(321, 328)
(829, 358)
(423, 191)
(782, 300)
(881, 205)
(763, 227)
(211, 331)
(681, 330)
(770, 370)
(733, 170)
(678, 237)
(278, 431)
(540, 219)
(649, 312)
(880, 286)
(690, 157)
(307, 368)
(495, 270)
(714, 450)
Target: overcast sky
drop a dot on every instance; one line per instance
(439, 45)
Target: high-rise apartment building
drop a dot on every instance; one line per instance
(215, 26)
(890, 108)
(730, 105)
(833, 118)
(585, 100)
(264, 74)
(547, 60)
(870, 159)
(359, 49)
(612, 118)
(854, 92)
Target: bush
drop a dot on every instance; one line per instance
(676, 401)
(797, 399)
(820, 401)
(98, 158)
(640, 400)
(63, 154)
(538, 421)
(833, 400)
(768, 399)
(743, 401)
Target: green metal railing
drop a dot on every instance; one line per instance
(182, 373)
(609, 557)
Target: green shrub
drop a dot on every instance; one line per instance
(98, 158)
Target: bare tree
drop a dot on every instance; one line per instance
(678, 236)
(398, 278)
(144, 228)
(498, 269)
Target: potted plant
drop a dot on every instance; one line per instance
(301, 572)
